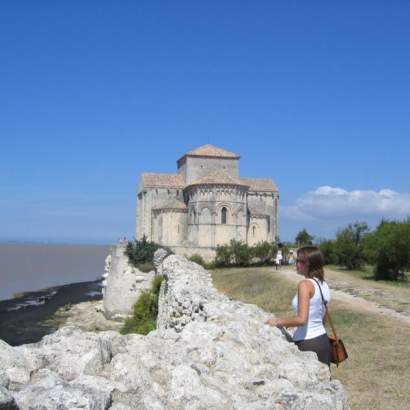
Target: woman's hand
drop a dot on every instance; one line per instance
(273, 322)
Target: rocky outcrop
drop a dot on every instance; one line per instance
(88, 316)
(209, 352)
(122, 284)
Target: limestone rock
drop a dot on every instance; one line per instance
(159, 256)
(52, 393)
(124, 284)
(209, 352)
(88, 316)
(7, 401)
(4, 379)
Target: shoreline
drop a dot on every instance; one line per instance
(27, 319)
(28, 293)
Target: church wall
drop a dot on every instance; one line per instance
(138, 222)
(224, 234)
(257, 231)
(198, 167)
(173, 228)
(265, 202)
(150, 198)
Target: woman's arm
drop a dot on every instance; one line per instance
(305, 292)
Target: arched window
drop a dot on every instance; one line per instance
(223, 215)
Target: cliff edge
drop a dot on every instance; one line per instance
(208, 352)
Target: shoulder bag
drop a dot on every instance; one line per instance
(338, 351)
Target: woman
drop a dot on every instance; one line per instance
(310, 334)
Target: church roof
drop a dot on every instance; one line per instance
(171, 204)
(260, 184)
(209, 150)
(156, 180)
(219, 178)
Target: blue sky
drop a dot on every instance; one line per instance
(313, 94)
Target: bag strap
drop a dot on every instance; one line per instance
(327, 311)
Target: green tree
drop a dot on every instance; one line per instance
(349, 245)
(223, 256)
(327, 247)
(241, 253)
(265, 251)
(304, 238)
(388, 247)
(141, 253)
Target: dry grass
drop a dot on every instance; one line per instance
(393, 295)
(376, 375)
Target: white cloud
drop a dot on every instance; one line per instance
(329, 202)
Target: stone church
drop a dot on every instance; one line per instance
(206, 203)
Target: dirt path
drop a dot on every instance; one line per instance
(375, 298)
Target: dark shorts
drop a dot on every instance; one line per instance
(320, 345)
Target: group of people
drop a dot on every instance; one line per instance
(309, 305)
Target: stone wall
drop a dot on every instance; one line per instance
(209, 352)
(148, 199)
(266, 203)
(169, 227)
(123, 284)
(258, 230)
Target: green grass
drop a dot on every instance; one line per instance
(376, 374)
(144, 311)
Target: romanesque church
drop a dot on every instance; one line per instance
(206, 203)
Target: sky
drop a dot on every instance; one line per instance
(313, 94)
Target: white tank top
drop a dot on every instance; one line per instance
(314, 326)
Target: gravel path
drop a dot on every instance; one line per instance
(388, 301)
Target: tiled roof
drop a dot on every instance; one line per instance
(260, 184)
(171, 204)
(219, 178)
(155, 180)
(209, 150)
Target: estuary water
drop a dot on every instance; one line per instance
(31, 267)
(44, 278)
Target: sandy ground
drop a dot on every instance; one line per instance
(346, 289)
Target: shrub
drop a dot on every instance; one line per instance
(141, 252)
(349, 245)
(146, 267)
(388, 247)
(223, 256)
(265, 251)
(144, 311)
(327, 247)
(198, 259)
(241, 253)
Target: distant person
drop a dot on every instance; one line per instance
(278, 258)
(291, 260)
(309, 310)
(123, 241)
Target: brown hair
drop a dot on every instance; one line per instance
(313, 257)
